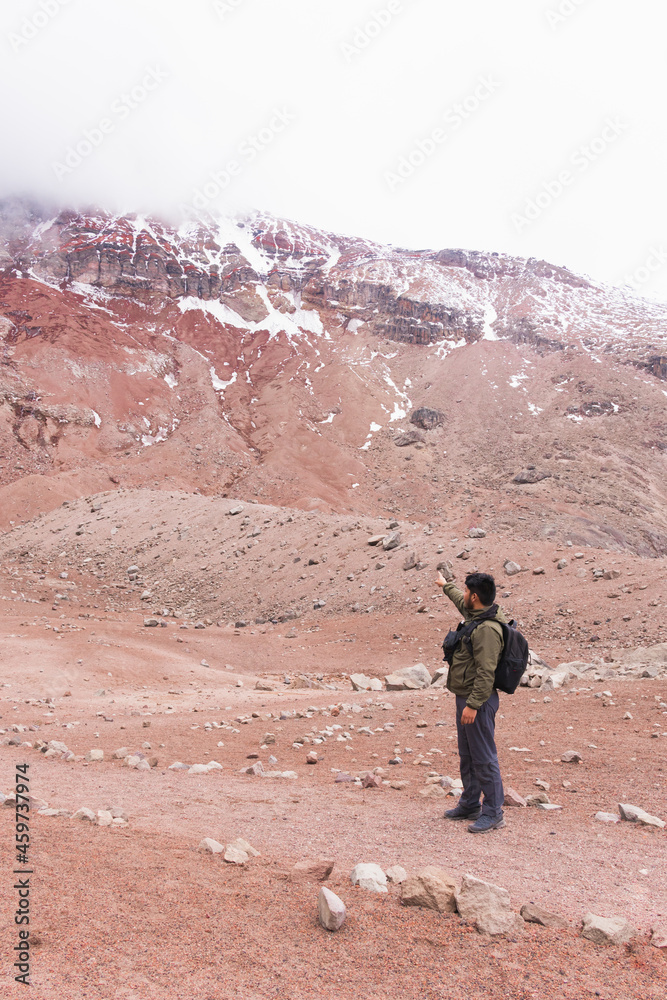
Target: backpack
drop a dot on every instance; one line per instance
(513, 659)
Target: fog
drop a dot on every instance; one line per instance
(533, 127)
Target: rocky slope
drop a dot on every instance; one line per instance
(264, 359)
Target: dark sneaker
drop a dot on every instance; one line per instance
(458, 813)
(486, 823)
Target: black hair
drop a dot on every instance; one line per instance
(484, 586)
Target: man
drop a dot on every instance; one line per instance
(470, 678)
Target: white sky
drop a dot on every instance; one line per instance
(553, 82)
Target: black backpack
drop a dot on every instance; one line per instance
(513, 659)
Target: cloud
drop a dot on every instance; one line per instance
(300, 108)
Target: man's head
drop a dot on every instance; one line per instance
(479, 591)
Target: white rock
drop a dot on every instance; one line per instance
(234, 856)
(487, 906)
(633, 814)
(198, 769)
(210, 846)
(84, 813)
(95, 755)
(369, 876)
(104, 817)
(120, 754)
(607, 930)
(409, 678)
(330, 910)
(242, 845)
(604, 817)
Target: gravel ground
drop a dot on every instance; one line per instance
(137, 913)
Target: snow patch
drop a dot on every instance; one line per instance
(535, 409)
(490, 316)
(171, 381)
(97, 418)
(218, 384)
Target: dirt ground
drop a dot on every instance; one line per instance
(136, 912)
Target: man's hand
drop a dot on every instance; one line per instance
(440, 582)
(468, 716)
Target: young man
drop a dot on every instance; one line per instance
(470, 678)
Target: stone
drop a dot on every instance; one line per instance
(511, 568)
(572, 757)
(405, 438)
(604, 817)
(433, 888)
(396, 874)
(633, 814)
(487, 906)
(409, 678)
(263, 686)
(391, 541)
(399, 785)
(316, 871)
(198, 769)
(371, 781)
(242, 845)
(607, 930)
(659, 935)
(426, 418)
(360, 682)
(312, 758)
(330, 910)
(534, 914)
(209, 846)
(370, 877)
(440, 677)
(537, 799)
(151, 623)
(94, 755)
(104, 817)
(121, 754)
(433, 792)
(235, 856)
(477, 533)
(256, 770)
(342, 777)
(84, 813)
(513, 798)
(376, 539)
(531, 475)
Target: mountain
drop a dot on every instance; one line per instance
(269, 360)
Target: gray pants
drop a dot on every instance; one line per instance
(480, 772)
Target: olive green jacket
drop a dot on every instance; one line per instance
(472, 672)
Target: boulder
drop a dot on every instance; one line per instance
(607, 930)
(360, 682)
(487, 906)
(409, 678)
(572, 757)
(315, 871)
(104, 817)
(477, 533)
(433, 888)
(369, 876)
(534, 914)
(376, 539)
(511, 568)
(330, 910)
(391, 541)
(633, 814)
